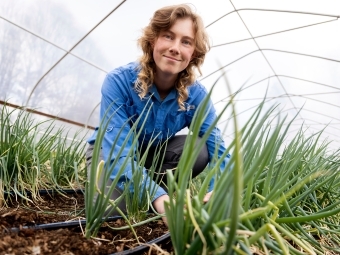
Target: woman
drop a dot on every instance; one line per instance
(174, 45)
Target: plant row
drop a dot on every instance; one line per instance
(273, 197)
(37, 155)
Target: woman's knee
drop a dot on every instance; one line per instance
(174, 152)
(202, 159)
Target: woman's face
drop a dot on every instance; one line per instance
(173, 49)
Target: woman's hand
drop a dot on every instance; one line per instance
(158, 204)
(207, 197)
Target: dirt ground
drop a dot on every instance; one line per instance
(17, 236)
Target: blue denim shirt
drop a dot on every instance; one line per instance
(164, 120)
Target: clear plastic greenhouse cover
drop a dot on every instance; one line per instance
(55, 55)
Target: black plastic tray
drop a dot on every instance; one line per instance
(75, 223)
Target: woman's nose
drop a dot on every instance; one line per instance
(174, 48)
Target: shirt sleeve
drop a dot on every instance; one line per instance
(215, 142)
(114, 110)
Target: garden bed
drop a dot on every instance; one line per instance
(19, 233)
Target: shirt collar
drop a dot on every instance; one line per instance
(172, 95)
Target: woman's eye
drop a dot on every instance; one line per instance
(187, 42)
(167, 36)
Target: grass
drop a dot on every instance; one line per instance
(34, 158)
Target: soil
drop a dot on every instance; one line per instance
(18, 237)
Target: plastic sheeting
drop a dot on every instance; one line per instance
(55, 54)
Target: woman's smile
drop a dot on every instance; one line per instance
(173, 49)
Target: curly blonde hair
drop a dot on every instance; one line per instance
(162, 20)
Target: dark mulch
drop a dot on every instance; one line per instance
(67, 241)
